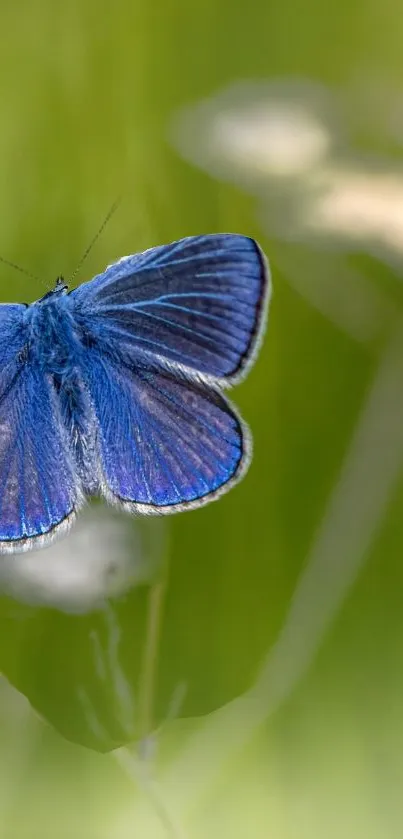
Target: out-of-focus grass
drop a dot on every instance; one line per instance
(87, 94)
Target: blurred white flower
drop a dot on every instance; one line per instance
(272, 138)
(105, 554)
(287, 142)
(358, 204)
(258, 130)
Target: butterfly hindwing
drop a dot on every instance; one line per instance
(197, 304)
(164, 443)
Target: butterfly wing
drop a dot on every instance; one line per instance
(165, 443)
(197, 304)
(38, 492)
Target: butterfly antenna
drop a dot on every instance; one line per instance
(18, 268)
(96, 237)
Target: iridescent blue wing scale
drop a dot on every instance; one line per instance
(197, 304)
(37, 486)
(165, 443)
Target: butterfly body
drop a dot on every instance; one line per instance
(115, 388)
(51, 339)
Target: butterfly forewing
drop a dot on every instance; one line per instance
(198, 304)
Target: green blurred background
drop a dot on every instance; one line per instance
(279, 608)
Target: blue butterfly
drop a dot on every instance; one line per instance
(115, 388)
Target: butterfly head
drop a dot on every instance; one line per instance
(61, 287)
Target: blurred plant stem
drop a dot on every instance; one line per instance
(150, 658)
